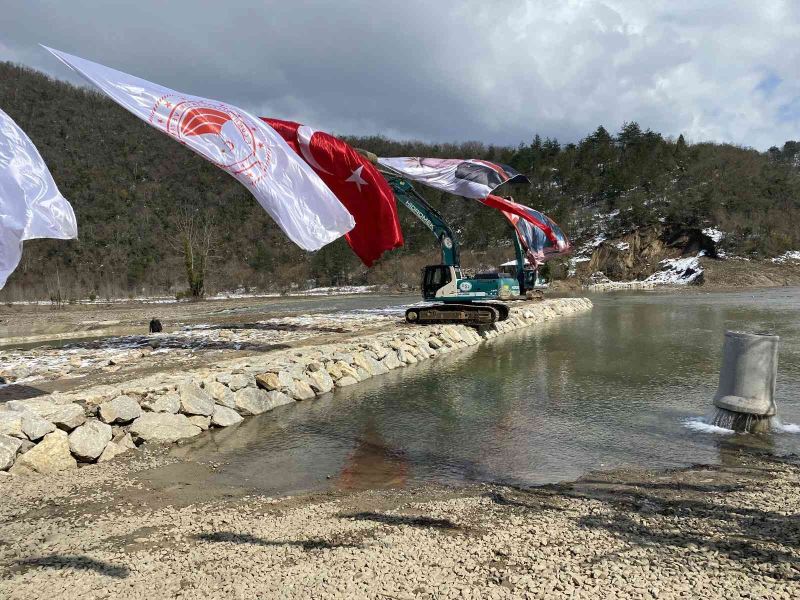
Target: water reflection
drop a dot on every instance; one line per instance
(372, 464)
(732, 447)
(607, 389)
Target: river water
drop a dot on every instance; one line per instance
(621, 386)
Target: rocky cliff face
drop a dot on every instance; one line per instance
(638, 254)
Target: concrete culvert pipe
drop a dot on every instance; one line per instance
(747, 378)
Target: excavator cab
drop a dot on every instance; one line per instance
(434, 278)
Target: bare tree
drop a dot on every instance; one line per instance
(55, 292)
(194, 240)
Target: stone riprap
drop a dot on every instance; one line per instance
(101, 422)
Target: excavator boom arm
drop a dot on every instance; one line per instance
(430, 217)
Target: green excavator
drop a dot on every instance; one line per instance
(454, 298)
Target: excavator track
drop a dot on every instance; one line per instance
(502, 308)
(465, 314)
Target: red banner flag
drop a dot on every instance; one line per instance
(538, 233)
(356, 183)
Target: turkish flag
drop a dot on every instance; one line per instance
(356, 183)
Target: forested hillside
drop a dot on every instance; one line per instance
(131, 187)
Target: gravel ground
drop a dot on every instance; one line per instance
(115, 530)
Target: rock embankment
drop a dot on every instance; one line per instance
(56, 432)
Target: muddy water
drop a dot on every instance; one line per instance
(612, 388)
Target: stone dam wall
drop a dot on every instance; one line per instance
(59, 431)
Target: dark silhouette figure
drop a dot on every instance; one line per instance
(155, 326)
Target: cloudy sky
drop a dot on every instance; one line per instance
(490, 70)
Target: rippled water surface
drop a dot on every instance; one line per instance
(610, 388)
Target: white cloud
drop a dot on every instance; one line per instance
(494, 71)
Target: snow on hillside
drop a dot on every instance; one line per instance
(715, 234)
(678, 271)
(583, 253)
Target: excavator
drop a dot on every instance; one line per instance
(475, 301)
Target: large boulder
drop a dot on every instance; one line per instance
(51, 455)
(320, 381)
(9, 446)
(240, 381)
(221, 394)
(334, 371)
(166, 403)
(274, 381)
(40, 406)
(225, 417)
(88, 441)
(202, 421)
(347, 371)
(390, 361)
(124, 440)
(11, 423)
(369, 364)
(195, 400)
(254, 401)
(300, 390)
(435, 343)
(112, 450)
(345, 381)
(122, 409)
(67, 417)
(36, 427)
(163, 427)
(64, 416)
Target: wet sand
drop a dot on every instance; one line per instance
(151, 527)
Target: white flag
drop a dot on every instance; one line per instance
(30, 204)
(243, 145)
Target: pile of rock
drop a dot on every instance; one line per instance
(60, 431)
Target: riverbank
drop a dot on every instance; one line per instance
(129, 530)
(49, 433)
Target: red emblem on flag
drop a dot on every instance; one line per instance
(229, 138)
(200, 120)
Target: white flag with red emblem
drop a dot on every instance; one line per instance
(243, 145)
(30, 204)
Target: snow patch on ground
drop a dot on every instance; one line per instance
(238, 294)
(336, 291)
(791, 255)
(678, 271)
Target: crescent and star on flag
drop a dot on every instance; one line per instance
(304, 135)
(356, 178)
